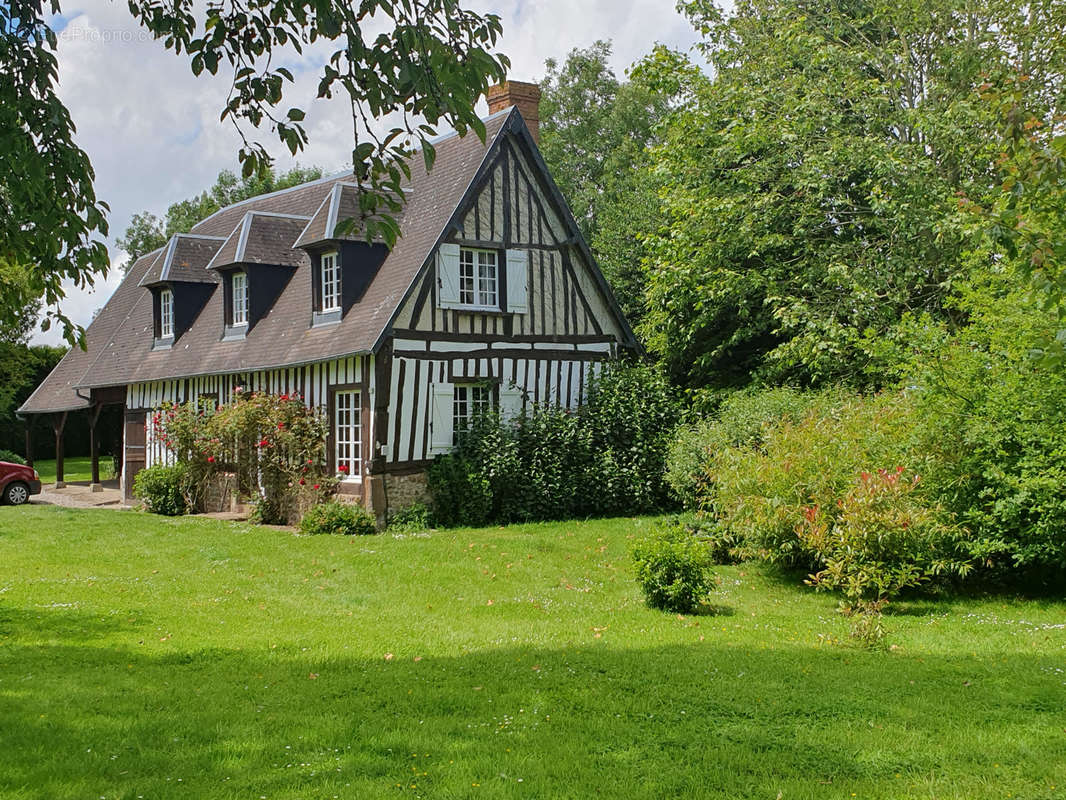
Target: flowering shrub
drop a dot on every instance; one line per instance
(881, 540)
(760, 491)
(273, 444)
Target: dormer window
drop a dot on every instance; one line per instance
(166, 314)
(330, 283)
(239, 298)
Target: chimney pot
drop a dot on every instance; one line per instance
(516, 93)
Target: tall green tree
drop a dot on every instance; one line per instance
(595, 135)
(811, 188)
(146, 231)
(429, 61)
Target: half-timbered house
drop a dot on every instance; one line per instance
(490, 297)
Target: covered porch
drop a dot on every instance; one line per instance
(100, 416)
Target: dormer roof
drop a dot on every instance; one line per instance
(262, 237)
(341, 203)
(184, 258)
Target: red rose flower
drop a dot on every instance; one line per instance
(315, 486)
(210, 459)
(342, 468)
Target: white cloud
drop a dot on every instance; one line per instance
(152, 129)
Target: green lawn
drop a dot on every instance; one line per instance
(78, 468)
(156, 658)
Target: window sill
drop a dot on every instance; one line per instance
(474, 309)
(163, 343)
(234, 333)
(320, 319)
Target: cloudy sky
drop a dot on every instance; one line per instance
(153, 133)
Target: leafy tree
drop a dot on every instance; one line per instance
(595, 134)
(428, 61)
(15, 327)
(146, 231)
(144, 234)
(1025, 221)
(22, 368)
(811, 187)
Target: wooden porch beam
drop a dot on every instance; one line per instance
(59, 421)
(27, 423)
(94, 448)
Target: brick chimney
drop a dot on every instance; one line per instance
(515, 93)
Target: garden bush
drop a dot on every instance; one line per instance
(992, 416)
(273, 444)
(11, 457)
(411, 519)
(461, 494)
(740, 421)
(673, 568)
(343, 519)
(761, 493)
(882, 539)
(163, 489)
(608, 457)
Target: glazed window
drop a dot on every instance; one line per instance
(347, 434)
(478, 278)
(166, 314)
(239, 311)
(469, 401)
(331, 283)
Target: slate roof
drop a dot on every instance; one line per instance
(262, 238)
(119, 341)
(184, 258)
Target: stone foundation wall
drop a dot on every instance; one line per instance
(220, 493)
(402, 491)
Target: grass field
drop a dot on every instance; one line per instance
(159, 658)
(78, 468)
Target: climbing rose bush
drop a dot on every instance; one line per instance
(274, 445)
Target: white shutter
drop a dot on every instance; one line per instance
(517, 276)
(448, 275)
(443, 421)
(510, 402)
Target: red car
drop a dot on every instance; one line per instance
(18, 482)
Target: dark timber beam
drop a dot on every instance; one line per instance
(94, 448)
(28, 423)
(59, 421)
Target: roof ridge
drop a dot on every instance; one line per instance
(195, 236)
(254, 212)
(324, 179)
(340, 175)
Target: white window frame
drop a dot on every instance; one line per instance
(348, 433)
(329, 274)
(166, 314)
(468, 400)
(479, 278)
(239, 299)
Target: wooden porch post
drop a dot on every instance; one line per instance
(58, 422)
(94, 448)
(28, 422)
